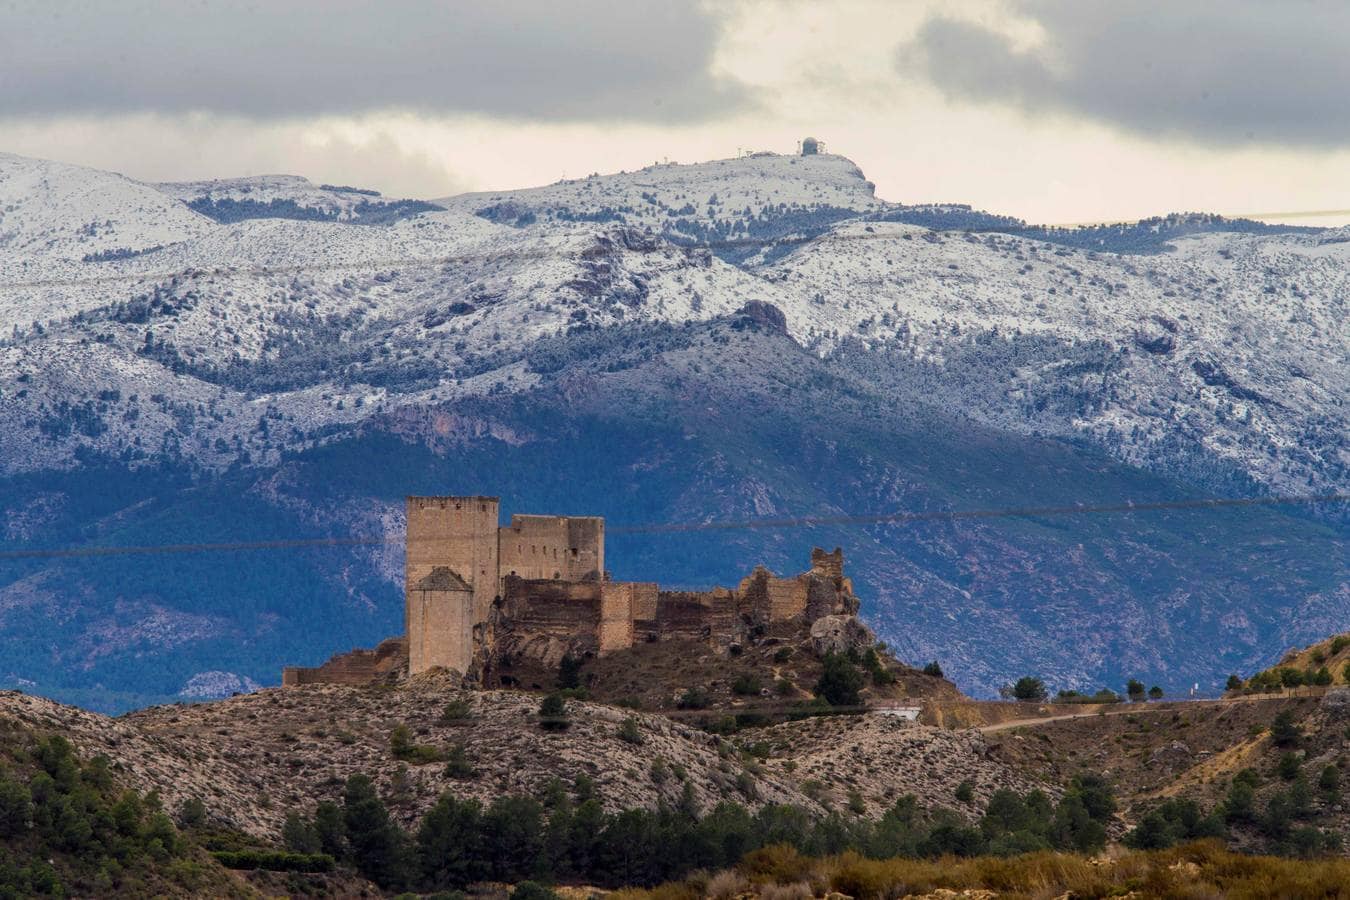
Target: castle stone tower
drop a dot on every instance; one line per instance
(450, 577)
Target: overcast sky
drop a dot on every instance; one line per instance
(1053, 110)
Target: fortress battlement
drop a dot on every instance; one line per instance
(476, 591)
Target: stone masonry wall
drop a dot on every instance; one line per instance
(440, 614)
(553, 547)
(616, 616)
(459, 533)
(356, 667)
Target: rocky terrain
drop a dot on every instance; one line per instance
(251, 758)
(268, 360)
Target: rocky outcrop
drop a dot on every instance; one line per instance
(840, 634)
(1336, 703)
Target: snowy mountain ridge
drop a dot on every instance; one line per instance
(753, 337)
(1234, 345)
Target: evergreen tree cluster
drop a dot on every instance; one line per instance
(568, 835)
(65, 828)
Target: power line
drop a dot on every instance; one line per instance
(686, 527)
(956, 515)
(260, 270)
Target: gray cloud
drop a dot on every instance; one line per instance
(1242, 71)
(555, 60)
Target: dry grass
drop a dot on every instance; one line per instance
(726, 885)
(1201, 871)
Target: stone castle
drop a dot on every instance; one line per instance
(476, 591)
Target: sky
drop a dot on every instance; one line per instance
(1056, 111)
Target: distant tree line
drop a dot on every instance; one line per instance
(568, 836)
(228, 209)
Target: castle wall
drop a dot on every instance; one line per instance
(459, 533)
(768, 598)
(619, 603)
(644, 599)
(440, 628)
(356, 667)
(831, 565)
(565, 610)
(565, 548)
(722, 614)
(683, 615)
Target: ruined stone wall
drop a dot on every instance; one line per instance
(554, 608)
(723, 615)
(767, 598)
(831, 565)
(553, 547)
(616, 616)
(683, 615)
(459, 533)
(644, 599)
(356, 667)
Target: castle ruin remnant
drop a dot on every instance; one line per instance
(476, 592)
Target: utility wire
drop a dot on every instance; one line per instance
(260, 270)
(685, 527)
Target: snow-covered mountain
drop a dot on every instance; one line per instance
(217, 328)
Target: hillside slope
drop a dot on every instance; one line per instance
(251, 758)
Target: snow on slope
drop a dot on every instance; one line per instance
(53, 214)
(653, 196)
(1238, 342)
(1234, 346)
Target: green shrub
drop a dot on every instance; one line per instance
(1290, 677)
(192, 813)
(1329, 783)
(840, 681)
(965, 791)
(933, 669)
(275, 860)
(630, 733)
(569, 672)
(458, 764)
(746, 685)
(456, 712)
(1284, 731)
(16, 808)
(300, 835)
(1029, 688)
(553, 713)
(694, 698)
(403, 749)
